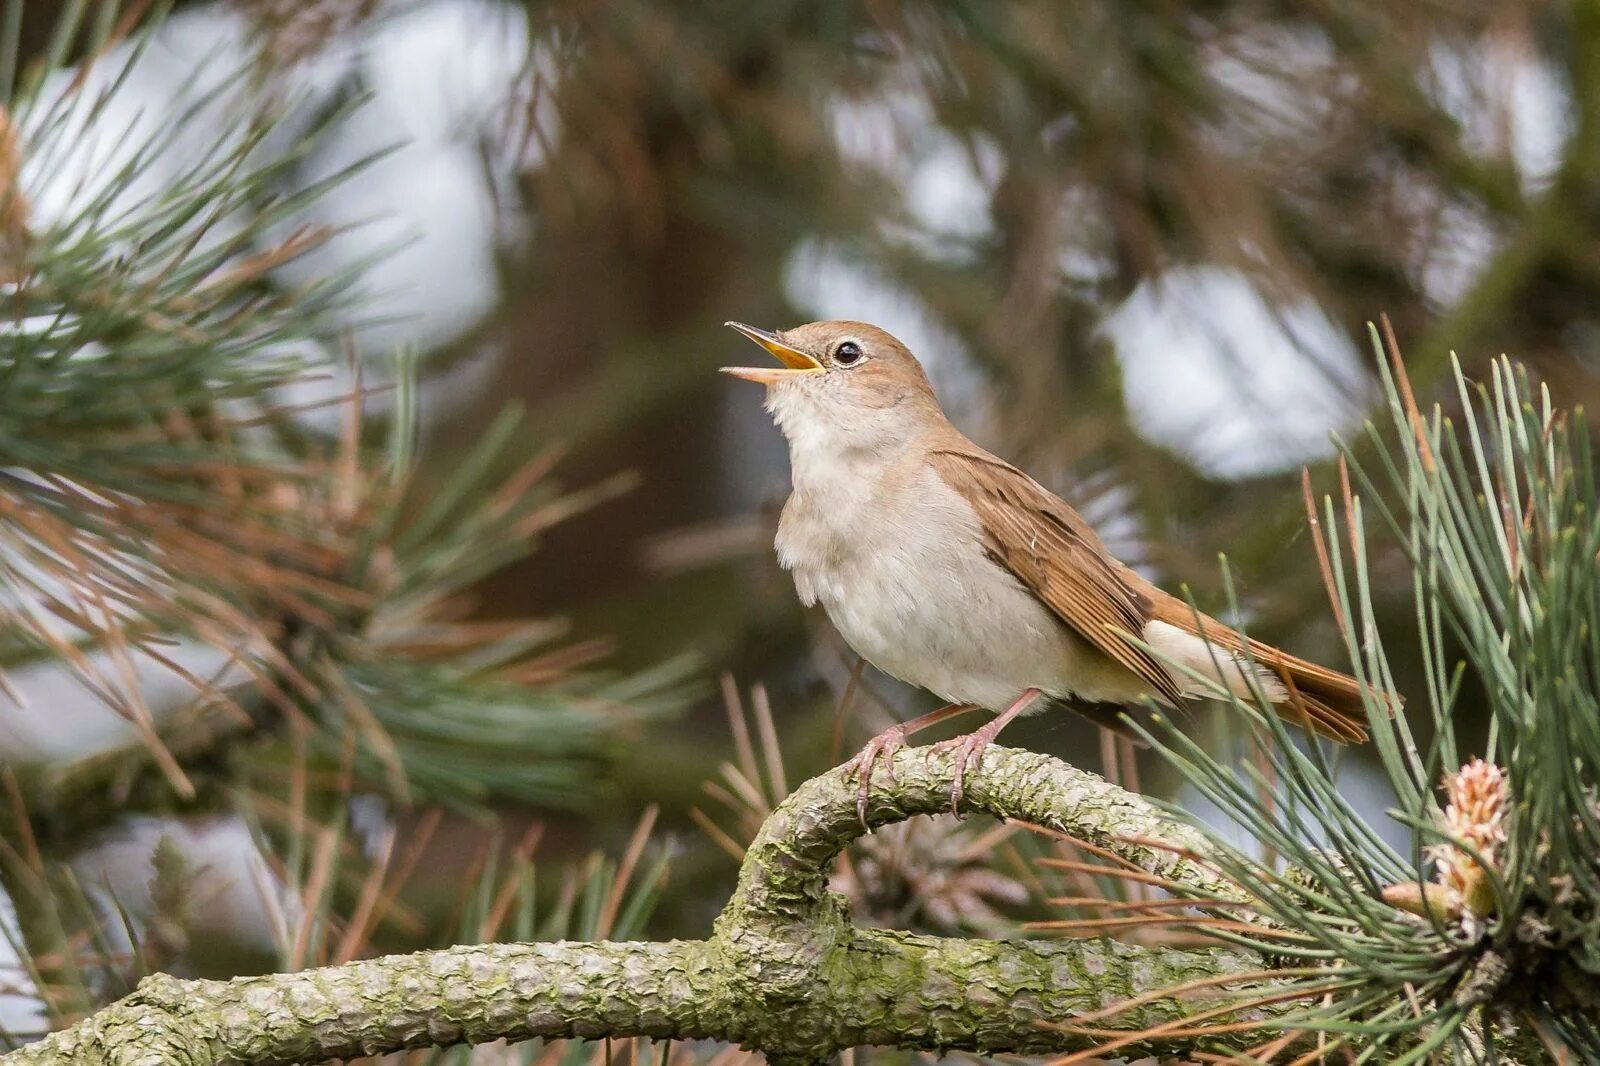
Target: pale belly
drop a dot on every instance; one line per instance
(927, 606)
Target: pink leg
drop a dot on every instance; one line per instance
(969, 749)
(886, 744)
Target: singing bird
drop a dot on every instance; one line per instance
(954, 571)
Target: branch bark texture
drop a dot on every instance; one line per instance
(784, 972)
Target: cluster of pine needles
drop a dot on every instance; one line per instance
(161, 491)
(166, 498)
(1475, 943)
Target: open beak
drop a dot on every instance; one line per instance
(795, 362)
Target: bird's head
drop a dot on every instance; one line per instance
(842, 385)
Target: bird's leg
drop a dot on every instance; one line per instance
(969, 748)
(886, 744)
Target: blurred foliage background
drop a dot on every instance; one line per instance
(1136, 244)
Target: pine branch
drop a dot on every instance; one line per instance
(784, 971)
(159, 485)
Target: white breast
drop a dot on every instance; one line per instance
(896, 558)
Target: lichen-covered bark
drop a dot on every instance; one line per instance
(784, 972)
(457, 995)
(784, 878)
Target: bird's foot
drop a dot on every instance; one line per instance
(881, 747)
(885, 744)
(968, 751)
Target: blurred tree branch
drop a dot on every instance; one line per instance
(784, 971)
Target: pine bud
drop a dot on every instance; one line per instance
(1424, 899)
(1478, 801)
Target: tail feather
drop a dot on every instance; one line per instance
(1325, 701)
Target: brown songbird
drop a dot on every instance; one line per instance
(954, 571)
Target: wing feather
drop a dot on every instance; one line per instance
(1051, 550)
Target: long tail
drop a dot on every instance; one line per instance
(1314, 697)
(1320, 699)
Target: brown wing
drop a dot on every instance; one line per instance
(1052, 551)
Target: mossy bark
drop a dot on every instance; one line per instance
(784, 971)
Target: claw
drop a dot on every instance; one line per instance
(968, 751)
(882, 746)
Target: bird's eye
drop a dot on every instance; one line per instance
(847, 354)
